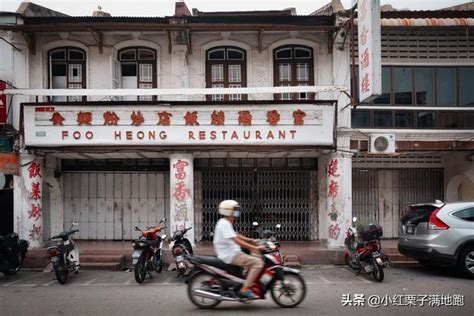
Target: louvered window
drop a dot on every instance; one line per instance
(426, 44)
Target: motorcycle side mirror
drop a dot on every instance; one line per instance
(278, 226)
(354, 219)
(255, 224)
(137, 229)
(75, 223)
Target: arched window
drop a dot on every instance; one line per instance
(67, 69)
(226, 67)
(293, 66)
(138, 70)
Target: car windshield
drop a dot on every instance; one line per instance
(418, 214)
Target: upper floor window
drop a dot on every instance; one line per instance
(226, 68)
(67, 69)
(433, 87)
(138, 70)
(293, 66)
(426, 86)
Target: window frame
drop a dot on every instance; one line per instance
(138, 62)
(67, 62)
(293, 62)
(461, 210)
(226, 63)
(413, 68)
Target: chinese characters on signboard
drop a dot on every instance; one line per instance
(370, 69)
(181, 197)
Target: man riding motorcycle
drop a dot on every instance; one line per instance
(227, 245)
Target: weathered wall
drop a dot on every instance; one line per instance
(458, 177)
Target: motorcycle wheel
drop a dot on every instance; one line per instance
(378, 272)
(140, 270)
(13, 270)
(201, 281)
(349, 262)
(291, 287)
(61, 275)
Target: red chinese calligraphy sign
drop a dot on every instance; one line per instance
(34, 170)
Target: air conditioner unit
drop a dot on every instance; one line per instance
(382, 143)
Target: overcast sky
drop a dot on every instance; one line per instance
(166, 7)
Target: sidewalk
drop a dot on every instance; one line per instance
(308, 252)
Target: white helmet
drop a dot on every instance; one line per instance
(227, 207)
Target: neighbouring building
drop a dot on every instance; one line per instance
(414, 142)
(114, 162)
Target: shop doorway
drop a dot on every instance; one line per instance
(383, 195)
(268, 196)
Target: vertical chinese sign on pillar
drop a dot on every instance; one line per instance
(370, 59)
(33, 215)
(182, 193)
(335, 207)
(3, 103)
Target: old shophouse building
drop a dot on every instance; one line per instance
(424, 117)
(115, 161)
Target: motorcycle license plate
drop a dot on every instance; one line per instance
(179, 258)
(54, 259)
(410, 230)
(376, 254)
(136, 254)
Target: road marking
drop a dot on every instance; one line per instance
(363, 280)
(345, 269)
(23, 279)
(49, 283)
(30, 285)
(324, 279)
(167, 281)
(128, 282)
(89, 282)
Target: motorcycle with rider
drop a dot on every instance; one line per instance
(222, 278)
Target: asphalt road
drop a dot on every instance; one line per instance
(116, 293)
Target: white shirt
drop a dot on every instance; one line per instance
(224, 245)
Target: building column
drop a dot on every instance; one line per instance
(182, 194)
(28, 211)
(339, 198)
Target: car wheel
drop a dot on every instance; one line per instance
(466, 261)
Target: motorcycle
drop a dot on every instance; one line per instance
(148, 252)
(180, 246)
(363, 250)
(65, 255)
(213, 281)
(12, 253)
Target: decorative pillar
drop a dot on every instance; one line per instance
(29, 208)
(339, 198)
(182, 193)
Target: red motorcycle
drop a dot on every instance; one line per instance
(213, 281)
(363, 250)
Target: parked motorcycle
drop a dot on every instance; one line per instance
(213, 281)
(363, 250)
(12, 253)
(180, 246)
(65, 255)
(148, 252)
